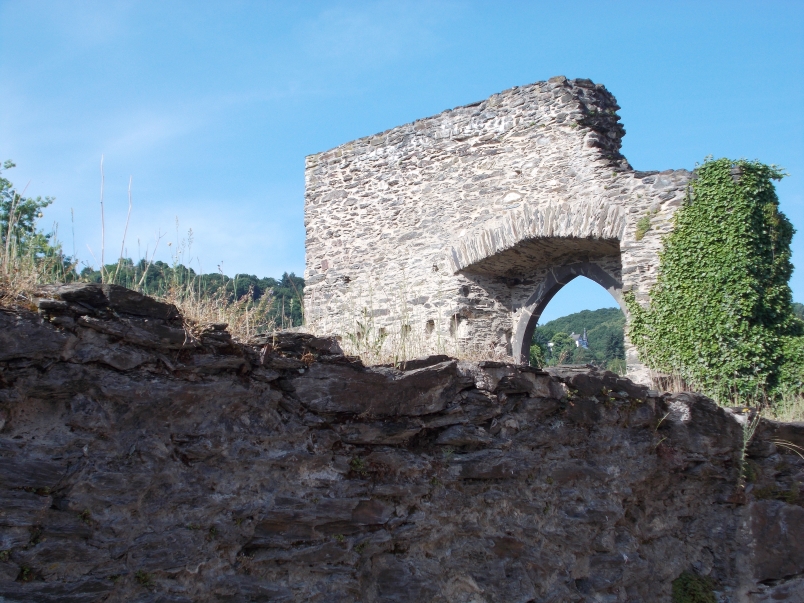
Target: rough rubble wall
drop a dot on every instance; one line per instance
(143, 462)
(458, 217)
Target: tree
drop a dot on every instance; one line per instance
(537, 356)
(604, 330)
(18, 219)
(26, 253)
(581, 355)
(561, 352)
(614, 346)
(721, 309)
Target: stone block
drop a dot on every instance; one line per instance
(778, 531)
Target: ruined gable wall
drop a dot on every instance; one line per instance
(391, 218)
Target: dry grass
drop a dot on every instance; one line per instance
(787, 407)
(395, 346)
(406, 333)
(245, 317)
(22, 276)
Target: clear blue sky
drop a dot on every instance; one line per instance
(212, 106)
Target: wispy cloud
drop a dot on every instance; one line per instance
(375, 34)
(136, 134)
(80, 24)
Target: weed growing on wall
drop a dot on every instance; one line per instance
(720, 314)
(642, 227)
(690, 588)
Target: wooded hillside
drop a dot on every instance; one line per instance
(604, 330)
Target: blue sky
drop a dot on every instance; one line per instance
(212, 106)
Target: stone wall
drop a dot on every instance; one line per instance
(449, 227)
(143, 461)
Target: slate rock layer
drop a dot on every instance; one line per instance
(282, 470)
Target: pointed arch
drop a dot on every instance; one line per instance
(546, 290)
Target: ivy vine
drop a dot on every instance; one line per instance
(720, 315)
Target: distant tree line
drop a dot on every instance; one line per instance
(158, 278)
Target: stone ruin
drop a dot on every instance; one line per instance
(145, 460)
(462, 227)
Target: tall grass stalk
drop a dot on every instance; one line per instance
(103, 228)
(13, 218)
(125, 232)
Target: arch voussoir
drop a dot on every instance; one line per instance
(581, 220)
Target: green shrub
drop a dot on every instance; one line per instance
(537, 356)
(721, 311)
(691, 588)
(791, 372)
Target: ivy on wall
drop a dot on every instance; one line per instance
(720, 315)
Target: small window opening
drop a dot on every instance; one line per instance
(458, 325)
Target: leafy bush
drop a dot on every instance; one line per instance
(537, 356)
(721, 311)
(791, 372)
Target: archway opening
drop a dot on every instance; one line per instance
(581, 323)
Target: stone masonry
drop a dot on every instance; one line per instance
(145, 460)
(457, 230)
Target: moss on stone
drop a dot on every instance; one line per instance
(642, 226)
(691, 588)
